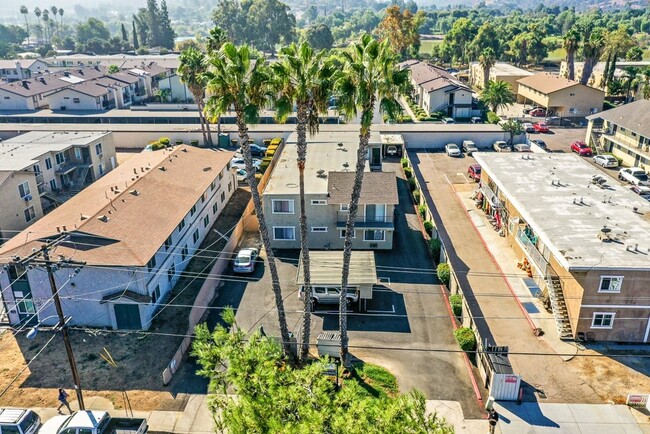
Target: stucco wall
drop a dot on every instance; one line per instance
(66, 98)
(12, 206)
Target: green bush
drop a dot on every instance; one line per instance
(408, 172)
(456, 302)
(466, 338)
(422, 210)
(155, 146)
(263, 166)
(412, 185)
(164, 141)
(416, 196)
(492, 118)
(434, 248)
(405, 162)
(194, 142)
(444, 273)
(428, 227)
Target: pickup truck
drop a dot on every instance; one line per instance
(94, 422)
(633, 175)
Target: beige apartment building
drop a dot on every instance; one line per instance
(19, 202)
(559, 95)
(501, 71)
(584, 235)
(596, 77)
(329, 176)
(624, 131)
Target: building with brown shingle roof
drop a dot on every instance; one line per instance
(559, 95)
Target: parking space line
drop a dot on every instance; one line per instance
(383, 311)
(464, 177)
(384, 280)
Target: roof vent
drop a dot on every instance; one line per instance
(207, 169)
(162, 168)
(604, 234)
(103, 218)
(184, 150)
(83, 217)
(135, 171)
(135, 192)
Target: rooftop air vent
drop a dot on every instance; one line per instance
(83, 217)
(103, 218)
(604, 234)
(135, 192)
(162, 168)
(207, 169)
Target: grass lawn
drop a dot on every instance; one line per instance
(374, 380)
(556, 55)
(426, 46)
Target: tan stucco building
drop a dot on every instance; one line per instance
(499, 72)
(19, 202)
(596, 77)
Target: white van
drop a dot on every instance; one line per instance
(19, 421)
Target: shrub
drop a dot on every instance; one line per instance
(444, 273)
(270, 153)
(405, 162)
(164, 141)
(264, 166)
(434, 248)
(492, 118)
(422, 210)
(194, 142)
(456, 302)
(408, 172)
(428, 227)
(178, 141)
(155, 146)
(466, 338)
(412, 185)
(416, 196)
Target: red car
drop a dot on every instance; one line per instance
(537, 112)
(541, 127)
(581, 148)
(474, 172)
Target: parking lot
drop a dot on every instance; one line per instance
(405, 329)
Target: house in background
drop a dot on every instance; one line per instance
(329, 176)
(136, 228)
(21, 69)
(501, 71)
(559, 95)
(596, 77)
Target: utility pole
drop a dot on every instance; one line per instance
(42, 258)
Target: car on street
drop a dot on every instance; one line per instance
(329, 295)
(605, 160)
(391, 151)
(501, 146)
(521, 147)
(476, 120)
(541, 127)
(533, 108)
(634, 175)
(528, 127)
(245, 260)
(94, 422)
(538, 112)
(642, 191)
(581, 148)
(453, 150)
(257, 150)
(540, 143)
(239, 163)
(469, 147)
(474, 172)
(448, 121)
(241, 176)
(19, 421)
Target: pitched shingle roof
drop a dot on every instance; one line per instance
(431, 77)
(634, 116)
(377, 187)
(547, 83)
(48, 83)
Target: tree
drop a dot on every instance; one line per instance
(12, 34)
(571, 43)
(37, 12)
(46, 25)
(136, 43)
(401, 29)
(634, 54)
(497, 94)
(311, 13)
(304, 79)
(254, 390)
(631, 80)
(369, 76)
(229, 16)
(167, 34)
(191, 71)
(617, 44)
(216, 39)
(152, 18)
(319, 36)
(112, 69)
(125, 35)
(592, 49)
(485, 38)
(487, 61)
(55, 12)
(25, 12)
(92, 29)
(458, 38)
(61, 11)
(514, 128)
(270, 22)
(237, 82)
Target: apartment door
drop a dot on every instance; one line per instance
(375, 213)
(127, 316)
(375, 157)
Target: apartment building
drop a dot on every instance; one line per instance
(41, 169)
(596, 77)
(329, 177)
(584, 235)
(136, 228)
(501, 71)
(559, 95)
(624, 131)
(20, 69)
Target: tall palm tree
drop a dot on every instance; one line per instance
(46, 25)
(215, 40)
(369, 76)
(631, 79)
(191, 71)
(37, 12)
(487, 59)
(571, 42)
(25, 12)
(497, 94)
(236, 81)
(592, 48)
(55, 12)
(304, 78)
(61, 17)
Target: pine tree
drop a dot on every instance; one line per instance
(125, 36)
(153, 22)
(136, 44)
(167, 34)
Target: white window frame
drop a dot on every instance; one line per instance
(77, 153)
(27, 191)
(32, 213)
(37, 169)
(374, 240)
(320, 229)
(610, 291)
(48, 163)
(342, 234)
(611, 324)
(344, 207)
(284, 239)
(291, 203)
(62, 158)
(99, 150)
(319, 202)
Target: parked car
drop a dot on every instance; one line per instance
(391, 151)
(453, 150)
(245, 260)
(521, 147)
(239, 163)
(581, 148)
(501, 146)
(634, 175)
(469, 147)
(541, 127)
(605, 160)
(94, 422)
(241, 176)
(19, 421)
(476, 120)
(448, 120)
(642, 191)
(533, 108)
(538, 112)
(329, 295)
(474, 172)
(257, 151)
(540, 143)
(528, 127)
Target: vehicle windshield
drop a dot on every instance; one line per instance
(582, 145)
(477, 170)
(30, 420)
(243, 260)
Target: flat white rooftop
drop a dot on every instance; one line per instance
(568, 216)
(326, 152)
(508, 69)
(22, 151)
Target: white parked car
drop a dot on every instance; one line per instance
(448, 120)
(19, 421)
(241, 176)
(469, 147)
(634, 175)
(522, 147)
(528, 127)
(453, 150)
(605, 160)
(239, 163)
(245, 261)
(330, 295)
(501, 146)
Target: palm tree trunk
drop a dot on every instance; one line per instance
(570, 64)
(364, 138)
(264, 232)
(201, 117)
(605, 78)
(486, 75)
(588, 68)
(304, 241)
(207, 130)
(612, 68)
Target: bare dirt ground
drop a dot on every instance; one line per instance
(31, 372)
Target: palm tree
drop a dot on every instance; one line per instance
(46, 25)
(236, 81)
(55, 12)
(37, 12)
(25, 12)
(487, 60)
(61, 17)
(571, 43)
(592, 48)
(369, 76)
(631, 79)
(215, 40)
(191, 71)
(303, 78)
(497, 94)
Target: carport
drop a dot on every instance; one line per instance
(326, 268)
(394, 140)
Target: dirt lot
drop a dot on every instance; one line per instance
(140, 357)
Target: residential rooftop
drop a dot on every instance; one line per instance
(431, 77)
(502, 68)
(22, 151)
(557, 196)
(634, 116)
(124, 217)
(377, 187)
(326, 152)
(547, 83)
(326, 267)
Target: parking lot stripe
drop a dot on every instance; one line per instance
(383, 311)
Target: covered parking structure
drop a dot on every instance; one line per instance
(326, 268)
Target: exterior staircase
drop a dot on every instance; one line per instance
(558, 305)
(79, 179)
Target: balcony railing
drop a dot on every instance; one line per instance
(530, 248)
(41, 189)
(632, 142)
(365, 221)
(70, 165)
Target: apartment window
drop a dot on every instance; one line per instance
(193, 210)
(344, 207)
(282, 206)
(214, 208)
(23, 189)
(206, 221)
(284, 233)
(195, 236)
(77, 153)
(29, 214)
(53, 184)
(98, 149)
(59, 157)
(213, 185)
(48, 163)
(184, 253)
(319, 202)
(152, 263)
(102, 169)
(155, 294)
(223, 196)
(319, 228)
(181, 225)
(229, 186)
(171, 272)
(602, 320)
(168, 242)
(220, 176)
(374, 235)
(204, 197)
(342, 233)
(76, 100)
(610, 284)
(37, 169)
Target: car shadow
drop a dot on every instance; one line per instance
(528, 412)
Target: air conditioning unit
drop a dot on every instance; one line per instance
(28, 198)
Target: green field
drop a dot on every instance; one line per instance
(556, 55)
(426, 46)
